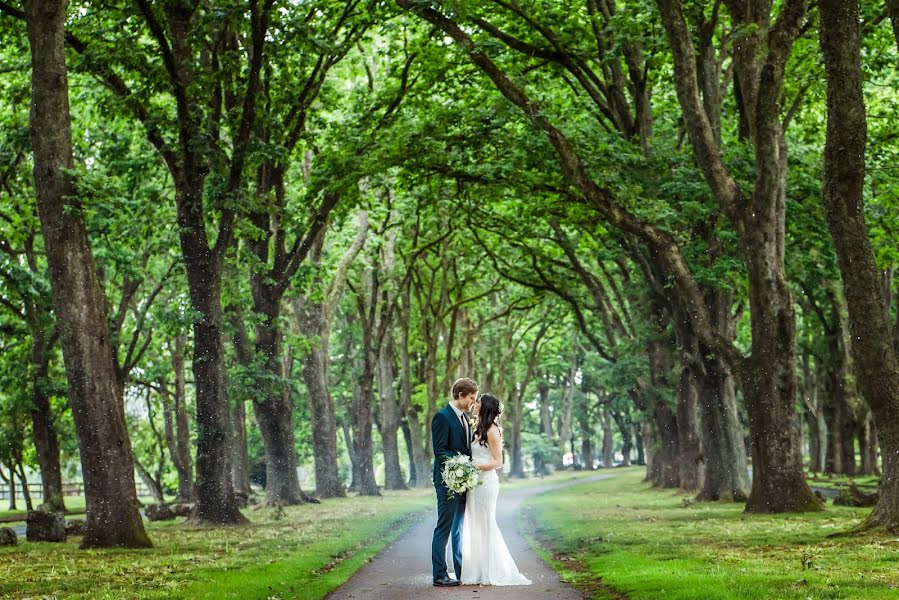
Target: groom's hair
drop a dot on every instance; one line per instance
(463, 387)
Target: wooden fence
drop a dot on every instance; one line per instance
(75, 488)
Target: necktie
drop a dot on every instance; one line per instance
(465, 429)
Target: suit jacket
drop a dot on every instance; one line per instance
(447, 440)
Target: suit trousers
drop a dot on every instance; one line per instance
(450, 515)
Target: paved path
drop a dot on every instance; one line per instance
(403, 570)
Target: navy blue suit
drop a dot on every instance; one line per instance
(448, 439)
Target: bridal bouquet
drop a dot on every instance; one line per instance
(459, 475)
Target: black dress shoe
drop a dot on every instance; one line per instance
(446, 582)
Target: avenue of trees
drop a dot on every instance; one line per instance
(245, 240)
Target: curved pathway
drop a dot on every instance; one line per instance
(403, 570)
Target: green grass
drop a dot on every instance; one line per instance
(558, 477)
(305, 554)
(620, 538)
(867, 483)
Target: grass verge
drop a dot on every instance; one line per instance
(305, 554)
(866, 483)
(619, 538)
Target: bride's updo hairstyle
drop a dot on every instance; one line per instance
(487, 416)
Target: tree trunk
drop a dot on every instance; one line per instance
(844, 177)
(867, 444)
(814, 416)
(778, 482)
(152, 484)
(390, 416)
(840, 457)
(324, 424)
(112, 516)
(516, 405)
(649, 439)
(216, 502)
(180, 450)
(420, 455)
(46, 443)
(363, 448)
(168, 427)
(837, 386)
(237, 413)
(608, 448)
(664, 448)
(282, 484)
(664, 445)
(726, 477)
(725, 473)
(24, 481)
(622, 421)
(214, 488)
(433, 393)
(641, 447)
(348, 442)
(239, 452)
(587, 453)
(407, 437)
(514, 432)
(313, 325)
(821, 426)
(818, 445)
(272, 405)
(688, 440)
(12, 487)
(546, 424)
(565, 432)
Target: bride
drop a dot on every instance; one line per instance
(485, 557)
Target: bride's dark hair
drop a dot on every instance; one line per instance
(487, 416)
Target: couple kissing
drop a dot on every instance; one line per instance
(479, 552)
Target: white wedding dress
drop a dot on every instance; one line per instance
(485, 557)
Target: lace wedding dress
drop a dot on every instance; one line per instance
(485, 557)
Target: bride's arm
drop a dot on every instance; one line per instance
(495, 445)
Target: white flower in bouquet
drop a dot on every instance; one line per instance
(459, 475)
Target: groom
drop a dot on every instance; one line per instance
(450, 435)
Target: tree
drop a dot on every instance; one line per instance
(843, 198)
(769, 378)
(112, 517)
